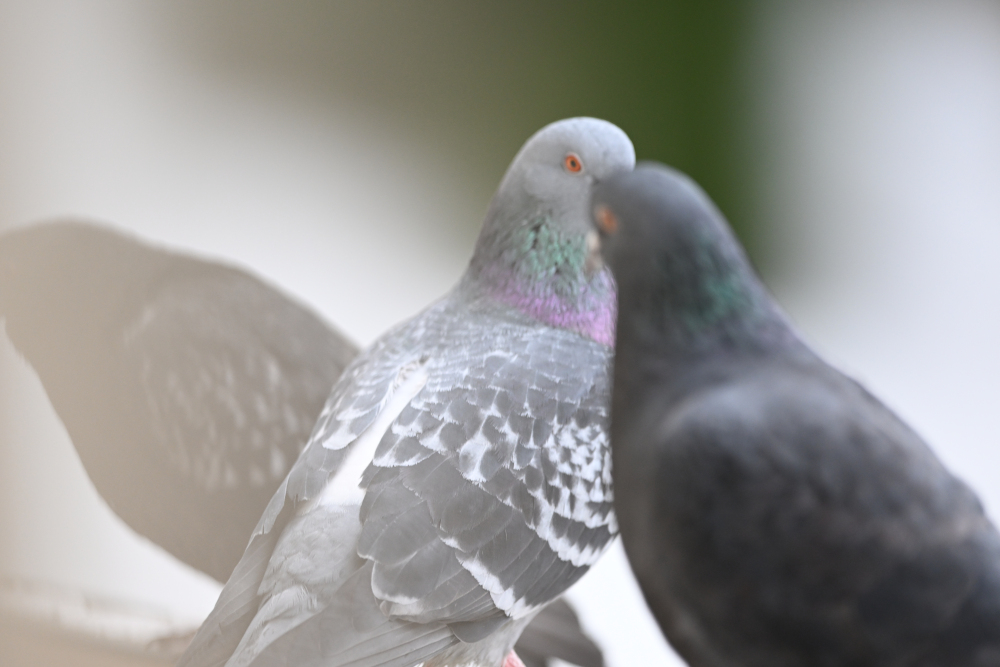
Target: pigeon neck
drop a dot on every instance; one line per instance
(683, 312)
(542, 272)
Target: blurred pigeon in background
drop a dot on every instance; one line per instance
(774, 511)
(188, 389)
(458, 478)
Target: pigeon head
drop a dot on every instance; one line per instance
(532, 253)
(682, 276)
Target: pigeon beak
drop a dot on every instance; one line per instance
(594, 261)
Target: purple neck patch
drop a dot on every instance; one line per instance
(590, 312)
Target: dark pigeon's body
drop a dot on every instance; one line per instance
(775, 512)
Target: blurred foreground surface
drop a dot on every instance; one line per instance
(45, 625)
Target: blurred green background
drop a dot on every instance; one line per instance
(476, 79)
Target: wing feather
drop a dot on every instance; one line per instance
(484, 500)
(244, 600)
(510, 464)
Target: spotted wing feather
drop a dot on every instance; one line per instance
(353, 405)
(490, 494)
(487, 497)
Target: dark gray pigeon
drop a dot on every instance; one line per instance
(457, 480)
(775, 513)
(155, 359)
(188, 387)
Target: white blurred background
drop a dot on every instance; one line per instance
(322, 153)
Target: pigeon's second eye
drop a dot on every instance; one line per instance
(573, 163)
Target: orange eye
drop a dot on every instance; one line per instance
(573, 163)
(606, 220)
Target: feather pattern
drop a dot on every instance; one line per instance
(486, 497)
(508, 460)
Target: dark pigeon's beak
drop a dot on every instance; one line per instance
(606, 224)
(594, 261)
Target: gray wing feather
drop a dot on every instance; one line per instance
(487, 497)
(242, 597)
(317, 606)
(353, 632)
(505, 468)
(222, 631)
(233, 375)
(354, 403)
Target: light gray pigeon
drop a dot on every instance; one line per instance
(188, 388)
(775, 512)
(458, 478)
